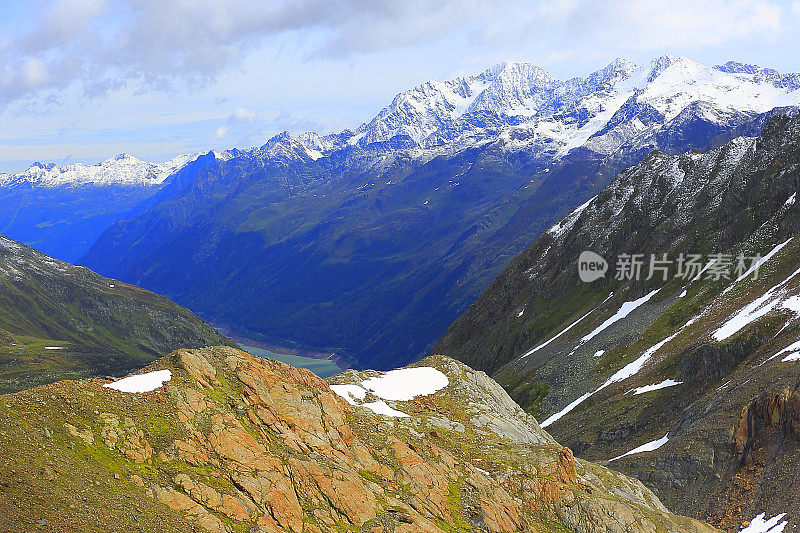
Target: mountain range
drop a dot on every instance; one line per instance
(682, 373)
(61, 210)
(370, 242)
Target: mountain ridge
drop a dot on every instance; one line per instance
(122, 170)
(402, 234)
(509, 89)
(679, 371)
(58, 320)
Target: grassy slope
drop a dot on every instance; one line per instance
(104, 326)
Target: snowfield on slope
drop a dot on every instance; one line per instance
(656, 386)
(625, 372)
(646, 447)
(793, 351)
(399, 385)
(758, 308)
(563, 331)
(760, 525)
(141, 382)
(406, 383)
(626, 309)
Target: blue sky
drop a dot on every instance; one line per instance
(85, 80)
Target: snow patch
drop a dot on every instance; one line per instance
(406, 384)
(539, 347)
(757, 265)
(141, 382)
(776, 524)
(560, 228)
(656, 386)
(758, 308)
(792, 304)
(625, 372)
(747, 315)
(626, 309)
(647, 447)
(350, 393)
(382, 408)
(403, 384)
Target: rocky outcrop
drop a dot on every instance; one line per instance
(769, 413)
(6, 337)
(237, 443)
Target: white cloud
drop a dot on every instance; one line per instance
(33, 72)
(157, 44)
(234, 72)
(241, 124)
(574, 27)
(242, 115)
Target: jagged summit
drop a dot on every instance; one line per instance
(528, 102)
(524, 101)
(512, 99)
(123, 157)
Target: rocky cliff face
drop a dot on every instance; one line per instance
(678, 380)
(237, 443)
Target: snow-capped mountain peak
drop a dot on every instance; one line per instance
(122, 169)
(519, 105)
(128, 158)
(512, 88)
(611, 106)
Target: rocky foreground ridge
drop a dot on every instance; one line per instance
(236, 443)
